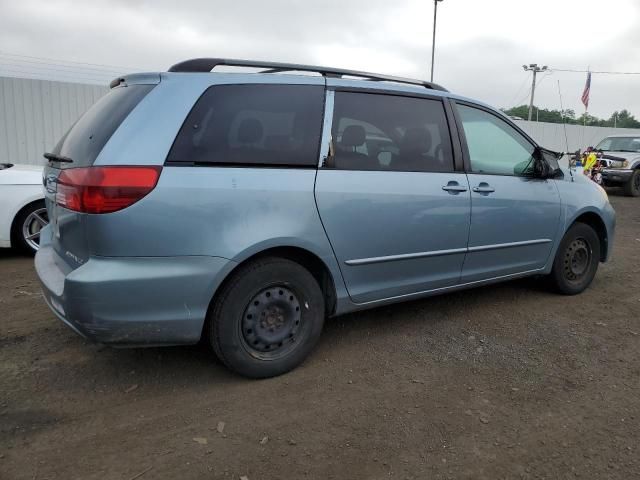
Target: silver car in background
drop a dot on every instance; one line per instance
(244, 208)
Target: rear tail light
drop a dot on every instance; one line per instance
(104, 189)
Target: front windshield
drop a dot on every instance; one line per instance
(620, 144)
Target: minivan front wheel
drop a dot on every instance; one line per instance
(576, 260)
(267, 318)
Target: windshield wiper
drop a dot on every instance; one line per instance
(52, 157)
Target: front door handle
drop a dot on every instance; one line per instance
(454, 188)
(484, 187)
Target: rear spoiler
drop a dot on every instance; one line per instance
(135, 79)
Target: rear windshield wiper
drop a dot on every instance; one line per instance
(52, 157)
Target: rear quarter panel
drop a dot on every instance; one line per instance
(232, 213)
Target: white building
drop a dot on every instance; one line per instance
(34, 114)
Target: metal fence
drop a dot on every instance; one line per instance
(34, 114)
(552, 135)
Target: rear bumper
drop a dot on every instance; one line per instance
(132, 301)
(616, 175)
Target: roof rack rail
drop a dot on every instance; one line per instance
(208, 64)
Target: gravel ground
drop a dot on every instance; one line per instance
(506, 381)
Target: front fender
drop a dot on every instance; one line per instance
(581, 198)
(588, 216)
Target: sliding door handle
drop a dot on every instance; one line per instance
(484, 187)
(454, 187)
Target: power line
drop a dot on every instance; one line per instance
(67, 61)
(592, 71)
(519, 91)
(54, 66)
(47, 69)
(29, 66)
(542, 78)
(79, 77)
(526, 95)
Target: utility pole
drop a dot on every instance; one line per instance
(433, 42)
(535, 69)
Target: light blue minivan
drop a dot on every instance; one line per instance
(244, 208)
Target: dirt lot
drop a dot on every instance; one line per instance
(507, 381)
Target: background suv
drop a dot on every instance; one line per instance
(625, 173)
(246, 207)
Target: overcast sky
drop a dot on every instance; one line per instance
(481, 45)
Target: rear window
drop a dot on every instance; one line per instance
(271, 125)
(86, 138)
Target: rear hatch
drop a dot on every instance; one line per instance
(71, 163)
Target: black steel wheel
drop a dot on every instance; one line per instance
(267, 318)
(577, 260)
(271, 323)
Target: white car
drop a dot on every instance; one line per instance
(22, 209)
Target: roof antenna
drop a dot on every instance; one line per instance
(564, 126)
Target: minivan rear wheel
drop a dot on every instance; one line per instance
(267, 318)
(577, 260)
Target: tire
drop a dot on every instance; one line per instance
(267, 318)
(25, 230)
(577, 260)
(632, 187)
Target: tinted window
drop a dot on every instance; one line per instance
(253, 124)
(495, 146)
(86, 138)
(389, 132)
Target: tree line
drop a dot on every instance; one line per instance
(621, 119)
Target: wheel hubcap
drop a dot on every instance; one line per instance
(272, 321)
(577, 259)
(636, 182)
(32, 226)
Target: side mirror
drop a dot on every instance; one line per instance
(541, 169)
(542, 164)
(546, 163)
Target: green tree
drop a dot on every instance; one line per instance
(623, 119)
(522, 111)
(542, 114)
(590, 121)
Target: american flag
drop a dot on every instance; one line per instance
(587, 90)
